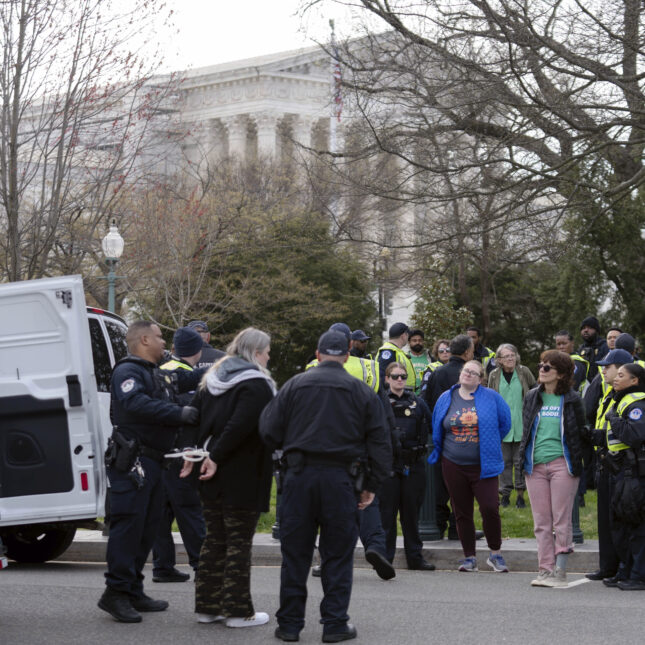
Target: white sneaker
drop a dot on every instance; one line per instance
(542, 579)
(558, 578)
(209, 618)
(258, 618)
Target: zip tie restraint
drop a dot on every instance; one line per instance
(189, 454)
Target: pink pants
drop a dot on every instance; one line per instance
(552, 491)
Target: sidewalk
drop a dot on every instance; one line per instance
(520, 554)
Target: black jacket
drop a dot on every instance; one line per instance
(629, 427)
(326, 412)
(593, 352)
(142, 401)
(573, 423)
(442, 379)
(243, 477)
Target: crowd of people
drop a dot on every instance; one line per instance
(350, 440)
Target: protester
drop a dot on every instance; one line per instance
(419, 357)
(512, 381)
(594, 346)
(236, 478)
(468, 424)
(551, 456)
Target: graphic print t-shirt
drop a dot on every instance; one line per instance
(548, 442)
(461, 431)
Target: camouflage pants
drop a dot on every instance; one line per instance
(223, 579)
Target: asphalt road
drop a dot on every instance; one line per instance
(56, 603)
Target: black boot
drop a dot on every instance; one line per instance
(146, 603)
(118, 605)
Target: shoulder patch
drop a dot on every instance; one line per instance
(636, 414)
(127, 385)
(386, 354)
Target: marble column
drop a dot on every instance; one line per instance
(237, 127)
(266, 123)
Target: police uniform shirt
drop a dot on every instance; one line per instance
(326, 412)
(142, 401)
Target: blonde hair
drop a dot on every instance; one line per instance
(245, 345)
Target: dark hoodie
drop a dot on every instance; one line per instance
(230, 399)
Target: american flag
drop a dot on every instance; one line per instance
(337, 80)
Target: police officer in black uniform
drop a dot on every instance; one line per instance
(404, 490)
(146, 422)
(181, 499)
(210, 355)
(325, 421)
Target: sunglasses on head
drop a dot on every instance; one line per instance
(396, 377)
(545, 367)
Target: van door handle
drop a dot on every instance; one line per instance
(74, 391)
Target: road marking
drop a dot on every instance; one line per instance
(575, 583)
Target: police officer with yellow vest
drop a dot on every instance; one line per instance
(180, 496)
(363, 369)
(392, 350)
(485, 355)
(605, 479)
(626, 442)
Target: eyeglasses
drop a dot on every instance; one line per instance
(472, 373)
(506, 357)
(545, 367)
(396, 377)
(445, 350)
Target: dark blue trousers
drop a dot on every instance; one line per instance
(370, 528)
(403, 495)
(134, 518)
(318, 497)
(181, 501)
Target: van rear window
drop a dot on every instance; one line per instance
(117, 338)
(102, 367)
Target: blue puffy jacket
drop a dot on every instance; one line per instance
(494, 423)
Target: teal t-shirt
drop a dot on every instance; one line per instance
(548, 440)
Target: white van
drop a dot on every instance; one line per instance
(56, 359)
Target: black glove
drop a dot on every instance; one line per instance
(189, 415)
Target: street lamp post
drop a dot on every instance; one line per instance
(112, 246)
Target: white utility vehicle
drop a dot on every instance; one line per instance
(56, 359)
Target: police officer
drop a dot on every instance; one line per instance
(483, 354)
(146, 421)
(392, 350)
(626, 441)
(324, 420)
(370, 529)
(607, 553)
(402, 493)
(564, 343)
(210, 355)
(180, 496)
(358, 345)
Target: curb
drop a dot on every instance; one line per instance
(520, 554)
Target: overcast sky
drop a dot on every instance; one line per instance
(217, 31)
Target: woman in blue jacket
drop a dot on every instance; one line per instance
(468, 424)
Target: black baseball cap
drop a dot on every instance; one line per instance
(333, 343)
(359, 334)
(198, 325)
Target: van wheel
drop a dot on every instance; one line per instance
(33, 544)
